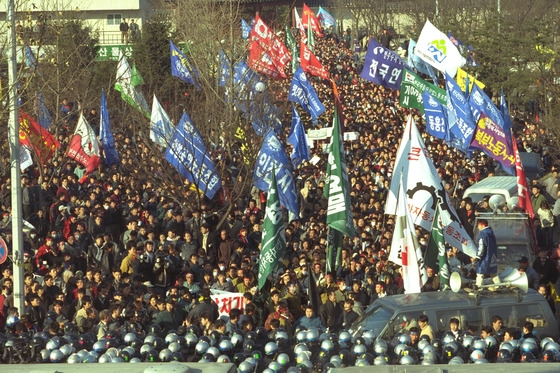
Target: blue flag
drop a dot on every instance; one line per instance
(45, 119)
(188, 154)
(225, 69)
(245, 29)
(436, 118)
(303, 93)
(481, 103)
(418, 63)
(465, 125)
(30, 60)
(383, 66)
(298, 140)
(273, 156)
(106, 136)
(325, 18)
(181, 66)
(505, 115)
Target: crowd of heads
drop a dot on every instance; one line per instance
(112, 255)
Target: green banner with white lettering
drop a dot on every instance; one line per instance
(273, 246)
(412, 87)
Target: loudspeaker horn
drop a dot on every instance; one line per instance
(505, 274)
(520, 281)
(455, 282)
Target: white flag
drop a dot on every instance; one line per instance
(25, 159)
(405, 250)
(424, 190)
(435, 48)
(128, 91)
(161, 129)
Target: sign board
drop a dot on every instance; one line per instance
(326, 133)
(112, 52)
(3, 251)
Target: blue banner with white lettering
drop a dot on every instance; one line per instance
(272, 155)
(464, 122)
(298, 140)
(303, 93)
(43, 115)
(505, 115)
(181, 66)
(188, 154)
(245, 29)
(481, 103)
(383, 66)
(110, 152)
(436, 118)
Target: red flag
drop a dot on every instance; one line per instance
(309, 16)
(522, 187)
(84, 146)
(338, 103)
(32, 135)
(310, 64)
(262, 36)
(261, 62)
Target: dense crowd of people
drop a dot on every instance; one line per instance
(116, 256)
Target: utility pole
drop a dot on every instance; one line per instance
(17, 237)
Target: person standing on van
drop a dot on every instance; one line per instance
(487, 254)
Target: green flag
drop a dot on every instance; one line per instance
(135, 78)
(436, 251)
(310, 36)
(291, 41)
(337, 192)
(412, 87)
(273, 246)
(129, 93)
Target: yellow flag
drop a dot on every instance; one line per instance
(462, 77)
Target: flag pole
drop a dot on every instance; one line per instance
(17, 237)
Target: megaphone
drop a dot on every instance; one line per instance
(504, 276)
(514, 279)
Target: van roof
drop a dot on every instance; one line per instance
(506, 185)
(428, 299)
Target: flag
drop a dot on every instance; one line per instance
(522, 187)
(491, 139)
(106, 136)
(424, 190)
(436, 253)
(45, 119)
(161, 128)
(463, 77)
(225, 69)
(435, 48)
(261, 62)
(436, 118)
(273, 156)
(245, 29)
(136, 78)
(298, 140)
(339, 107)
(181, 67)
(35, 137)
(84, 147)
(505, 115)
(270, 44)
(25, 159)
(273, 246)
(310, 37)
(405, 249)
(325, 19)
(464, 124)
(412, 89)
(481, 103)
(337, 192)
(310, 64)
(417, 63)
(308, 18)
(299, 25)
(30, 60)
(291, 41)
(129, 92)
(187, 153)
(383, 66)
(303, 93)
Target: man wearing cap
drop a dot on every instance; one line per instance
(487, 253)
(532, 275)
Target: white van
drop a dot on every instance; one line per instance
(505, 186)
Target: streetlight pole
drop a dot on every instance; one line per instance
(17, 238)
